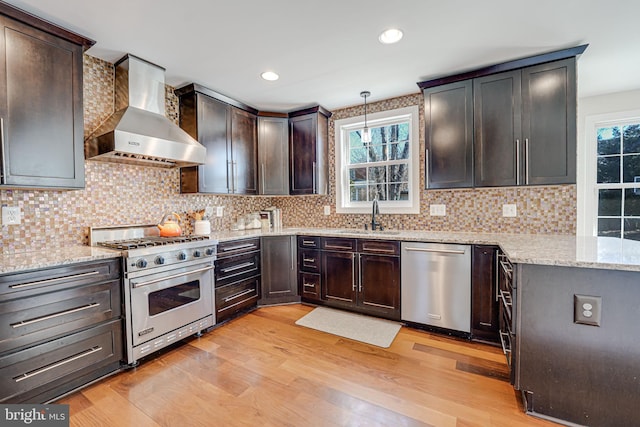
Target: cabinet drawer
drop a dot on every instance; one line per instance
(338, 244)
(31, 283)
(235, 247)
(309, 285)
(309, 261)
(237, 267)
(309, 242)
(236, 296)
(41, 317)
(59, 361)
(382, 247)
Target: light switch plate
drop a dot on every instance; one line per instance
(327, 210)
(587, 309)
(509, 211)
(219, 211)
(438, 210)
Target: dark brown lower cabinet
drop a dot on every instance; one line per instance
(484, 298)
(362, 275)
(278, 259)
(60, 328)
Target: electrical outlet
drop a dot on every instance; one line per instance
(219, 211)
(327, 210)
(587, 309)
(208, 212)
(438, 210)
(11, 215)
(509, 211)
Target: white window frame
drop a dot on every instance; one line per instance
(587, 221)
(342, 129)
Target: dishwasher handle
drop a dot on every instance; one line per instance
(437, 251)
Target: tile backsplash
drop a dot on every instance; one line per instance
(117, 194)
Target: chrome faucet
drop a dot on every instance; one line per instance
(375, 211)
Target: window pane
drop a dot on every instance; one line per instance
(399, 151)
(608, 169)
(378, 174)
(376, 153)
(608, 140)
(631, 202)
(357, 175)
(631, 138)
(399, 173)
(379, 190)
(631, 168)
(610, 203)
(609, 227)
(355, 140)
(358, 193)
(357, 155)
(632, 228)
(399, 191)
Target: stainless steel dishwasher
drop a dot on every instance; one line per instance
(436, 285)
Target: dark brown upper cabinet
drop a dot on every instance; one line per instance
(522, 120)
(41, 110)
(228, 130)
(308, 151)
(449, 135)
(273, 154)
(525, 126)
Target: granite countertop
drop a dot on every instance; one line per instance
(561, 250)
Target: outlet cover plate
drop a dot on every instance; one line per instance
(587, 309)
(11, 215)
(219, 211)
(438, 210)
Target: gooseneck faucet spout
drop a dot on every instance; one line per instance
(375, 211)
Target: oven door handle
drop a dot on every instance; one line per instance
(173, 276)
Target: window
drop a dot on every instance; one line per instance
(386, 168)
(618, 179)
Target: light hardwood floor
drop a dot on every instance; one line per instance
(263, 370)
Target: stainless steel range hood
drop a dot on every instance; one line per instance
(138, 132)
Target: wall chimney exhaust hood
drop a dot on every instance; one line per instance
(138, 132)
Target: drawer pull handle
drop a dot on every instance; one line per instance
(238, 267)
(308, 243)
(233, 305)
(238, 247)
(348, 248)
(485, 324)
(313, 260)
(308, 285)
(55, 279)
(54, 315)
(386, 251)
(58, 364)
(231, 298)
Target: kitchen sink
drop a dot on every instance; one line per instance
(370, 232)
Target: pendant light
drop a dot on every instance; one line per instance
(366, 134)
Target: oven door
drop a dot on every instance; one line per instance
(162, 302)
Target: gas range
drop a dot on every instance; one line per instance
(143, 248)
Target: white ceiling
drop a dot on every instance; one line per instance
(327, 52)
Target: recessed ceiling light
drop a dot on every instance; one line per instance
(392, 35)
(270, 75)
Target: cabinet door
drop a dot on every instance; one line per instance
(484, 301)
(339, 278)
(273, 155)
(549, 122)
(244, 151)
(207, 120)
(379, 285)
(278, 270)
(302, 154)
(40, 108)
(449, 135)
(497, 122)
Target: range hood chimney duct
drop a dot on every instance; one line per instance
(138, 132)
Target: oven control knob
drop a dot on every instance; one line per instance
(141, 263)
(159, 260)
(209, 251)
(197, 253)
(182, 256)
